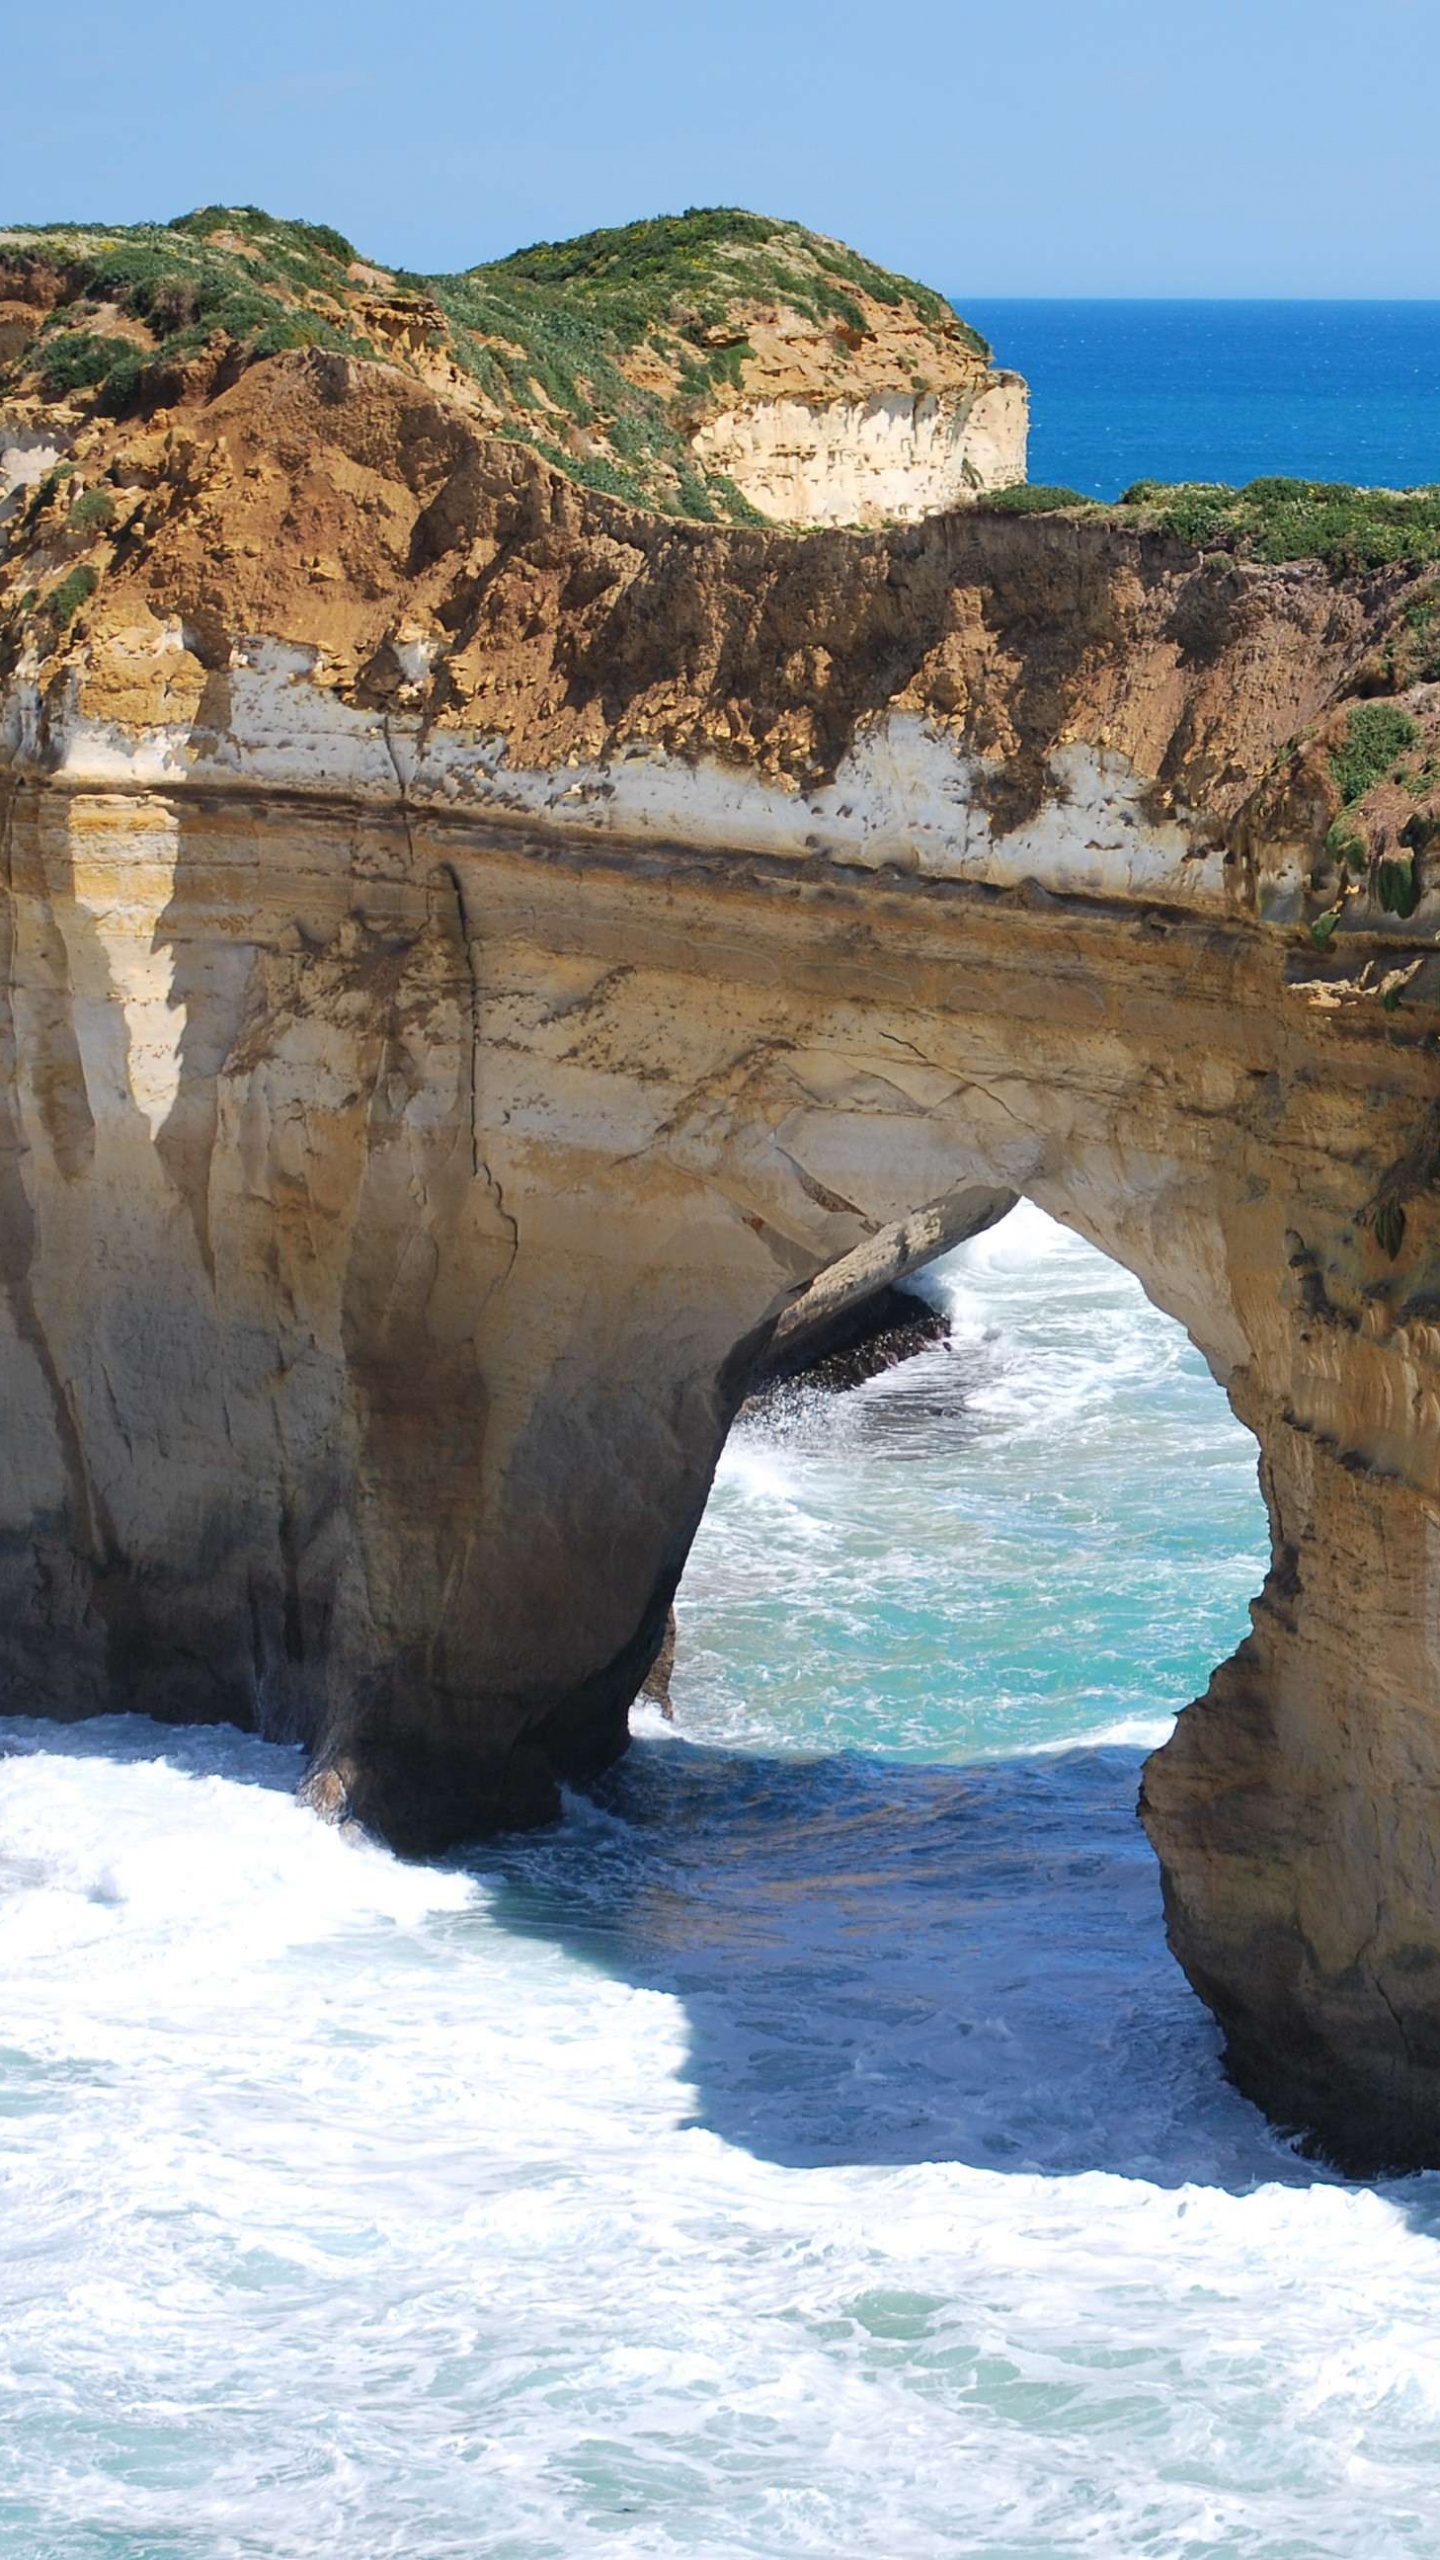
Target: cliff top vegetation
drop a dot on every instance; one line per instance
(603, 353)
(1270, 520)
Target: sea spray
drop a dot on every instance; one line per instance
(808, 2147)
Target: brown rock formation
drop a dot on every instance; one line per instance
(715, 364)
(475, 956)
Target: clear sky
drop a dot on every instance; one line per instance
(990, 146)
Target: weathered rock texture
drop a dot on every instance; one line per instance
(474, 956)
(713, 364)
(892, 457)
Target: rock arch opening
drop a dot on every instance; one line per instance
(372, 1370)
(929, 1627)
(1044, 1513)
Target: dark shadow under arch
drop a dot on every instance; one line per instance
(885, 1964)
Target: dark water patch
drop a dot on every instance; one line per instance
(889, 1964)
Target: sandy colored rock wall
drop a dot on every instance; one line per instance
(475, 958)
(890, 458)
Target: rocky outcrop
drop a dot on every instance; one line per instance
(655, 1687)
(887, 459)
(714, 364)
(476, 956)
(862, 1342)
(856, 1318)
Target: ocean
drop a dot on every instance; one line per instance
(808, 2146)
(1125, 391)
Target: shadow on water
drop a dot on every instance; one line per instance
(194, 1750)
(889, 1964)
(880, 1963)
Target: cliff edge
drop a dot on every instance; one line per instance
(476, 952)
(713, 364)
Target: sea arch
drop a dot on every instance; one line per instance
(381, 1353)
(441, 1044)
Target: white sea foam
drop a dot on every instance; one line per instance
(807, 2149)
(1128, 1733)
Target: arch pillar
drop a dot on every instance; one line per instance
(394, 1217)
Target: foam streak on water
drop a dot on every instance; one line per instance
(807, 2148)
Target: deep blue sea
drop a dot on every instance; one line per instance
(1124, 391)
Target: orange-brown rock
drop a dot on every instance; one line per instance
(476, 956)
(717, 364)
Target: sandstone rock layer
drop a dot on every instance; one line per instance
(890, 458)
(476, 958)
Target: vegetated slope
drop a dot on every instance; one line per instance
(1379, 758)
(339, 512)
(1272, 519)
(603, 353)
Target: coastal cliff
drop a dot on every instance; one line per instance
(478, 952)
(713, 364)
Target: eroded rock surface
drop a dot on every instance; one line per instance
(475, 957)
(893, 457)
(715, 364)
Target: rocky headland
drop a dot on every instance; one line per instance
(714, 365)
(490, 955)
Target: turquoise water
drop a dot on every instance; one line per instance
(1124, 391)
(806, 2148)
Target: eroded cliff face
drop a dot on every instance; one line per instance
(714, 364)
(890, 458)
(476, 956)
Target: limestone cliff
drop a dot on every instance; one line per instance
(713, 364)
(883, 459)
(476, 953)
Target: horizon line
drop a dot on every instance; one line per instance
(1329, 301)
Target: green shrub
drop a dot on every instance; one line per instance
(306, 243)
(1033, 498)
(1389, 1225)
(1422, 622)
(1397, 887)
(685, 271)
(1347, 846)
(76, 359)
(1284, 519)
(731, 501)
(93, 512)
(122, 382)
(64, 602)
(1376, 734)
(1196, 514)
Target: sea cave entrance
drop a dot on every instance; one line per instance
(887, 1853)
(1043, 1523)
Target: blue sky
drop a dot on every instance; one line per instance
(1039, 147)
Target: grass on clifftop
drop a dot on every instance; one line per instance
(598, 352)
(264, 284)
(1269, 519)
(681, 276)
(1264, 520)
(1277, 520)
